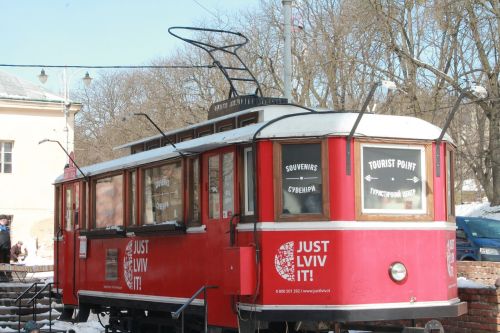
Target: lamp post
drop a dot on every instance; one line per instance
(87, 79)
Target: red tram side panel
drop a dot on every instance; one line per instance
(317, 241)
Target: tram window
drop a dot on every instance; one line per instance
(393, 179)
(162, 194)
(137, 148)
(194, 193)
(132, 198)
(68, 215)
(228, 184)
(213, 187)
(303, 171)
(153, 144)
(57, 210)
(76, 212)
(111, 265)
(248, 181)
(108, 205)
(450, 200)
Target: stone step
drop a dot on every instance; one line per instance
(8, 311)
(41, 318)
(24, 302)
(14, 294)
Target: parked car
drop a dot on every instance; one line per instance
(478, 238)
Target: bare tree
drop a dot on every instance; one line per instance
(468, 52)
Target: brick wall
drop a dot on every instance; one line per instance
(484, 272)
(483, 315)
(483, 304)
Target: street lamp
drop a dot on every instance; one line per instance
(43, 77)
(87, 79)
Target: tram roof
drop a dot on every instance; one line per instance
(298, 123)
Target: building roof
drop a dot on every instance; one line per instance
(12, 87)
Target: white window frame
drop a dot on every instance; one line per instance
(2, 157)
(423, 182)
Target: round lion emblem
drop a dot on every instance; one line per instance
(127, 265)
(284, 261)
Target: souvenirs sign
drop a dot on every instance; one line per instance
(301, 178)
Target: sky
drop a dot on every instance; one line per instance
(97, 32)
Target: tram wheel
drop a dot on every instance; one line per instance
(83, 313)
(66, 314)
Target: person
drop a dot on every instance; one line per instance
(16, 253)
(4, 246)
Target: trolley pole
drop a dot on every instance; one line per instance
(287, 52)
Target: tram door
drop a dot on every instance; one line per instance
(71, 207)
(220, 204)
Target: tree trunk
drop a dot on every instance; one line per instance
(494, 149)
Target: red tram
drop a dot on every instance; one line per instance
(278, 213)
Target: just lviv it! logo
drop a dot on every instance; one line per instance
(298, 261)
(135, 263)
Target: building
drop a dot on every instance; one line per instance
(28, 115)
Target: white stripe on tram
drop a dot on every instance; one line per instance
(258, 307)
(346, 225)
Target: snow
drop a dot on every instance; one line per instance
(464, 283)
(470, 185)
(92, 325)
(478, 209)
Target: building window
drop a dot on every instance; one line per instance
(162, 194)
(6, 156)
(108, 205)
(302, 177)
(393, 179)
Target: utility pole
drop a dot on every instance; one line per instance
(287, 52)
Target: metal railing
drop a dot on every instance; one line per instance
(33, 303)
(180, 311)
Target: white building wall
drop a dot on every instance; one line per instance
(27, 192)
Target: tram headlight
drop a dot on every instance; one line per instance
(398, 272)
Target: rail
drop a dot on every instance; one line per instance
(180, 311)
(19, 299)
(32, 302)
